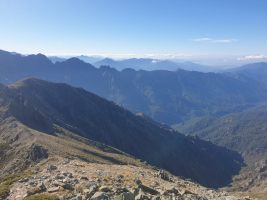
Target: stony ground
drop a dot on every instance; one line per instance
(78, 180)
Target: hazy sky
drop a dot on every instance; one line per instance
(163, 28)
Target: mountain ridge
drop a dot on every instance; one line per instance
(38, 105)
(168, 97)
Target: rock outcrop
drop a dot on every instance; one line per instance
(80, 180)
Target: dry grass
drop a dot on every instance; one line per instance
(41, 197)
(7, 182)
(258, 195)
(66, 146)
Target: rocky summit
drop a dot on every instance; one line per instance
(58, 178)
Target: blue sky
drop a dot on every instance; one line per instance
(136, 28)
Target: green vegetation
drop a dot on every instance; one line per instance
(41, 197)
(7, 182)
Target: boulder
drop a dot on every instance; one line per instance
(171, 190)
(90, 191)
(51, 167)
(53, 189)
(68, 186)
(125, 196)
(41, 187)
(147, 189)
(121, 190)
(164, 175)
(138, 182)
(141, 196)
(84, 178)
(37, 153)
(23, 180)
(99, 196)
(35, 190)
(156, 198)
(105, 189)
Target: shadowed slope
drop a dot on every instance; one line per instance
(47, 107)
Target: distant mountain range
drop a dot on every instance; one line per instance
(152, 64)
(140, 63)
(87, 59)
(166, 96)
(57, 109)
(55, 59)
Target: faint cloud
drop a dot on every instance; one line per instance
(225, 41)
(202, 39)
(160, 56)
(167, 55)
(212, 40)
(253, 57)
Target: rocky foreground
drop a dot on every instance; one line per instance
(59, 178)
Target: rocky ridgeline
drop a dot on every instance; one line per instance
(77, 180)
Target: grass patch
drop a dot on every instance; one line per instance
(4, 191)
(6, 183)
(258, 195)
(41, 197)
(4, 146)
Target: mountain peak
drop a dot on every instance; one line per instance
(74, 60)
(26, 82)
(108, 60)
(3, 52)
(38, 58)
(76, 63)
